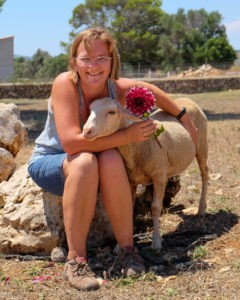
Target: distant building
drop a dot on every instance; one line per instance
(6, 58)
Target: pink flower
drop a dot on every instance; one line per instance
(140, 101)
(41, 278)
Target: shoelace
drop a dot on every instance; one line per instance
(82, 270)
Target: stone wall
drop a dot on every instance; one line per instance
(28, 91)
(186, 86)
(198, 85)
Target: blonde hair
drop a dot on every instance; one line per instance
(87, 35)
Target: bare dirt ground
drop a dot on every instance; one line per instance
(201, 255)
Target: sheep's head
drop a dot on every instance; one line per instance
(105, 118)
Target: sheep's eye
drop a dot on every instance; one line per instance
(112, 112)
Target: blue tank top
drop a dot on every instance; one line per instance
(48, 141)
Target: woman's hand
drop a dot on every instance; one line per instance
(189, 126)
(141, 131)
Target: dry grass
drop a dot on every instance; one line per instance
(200, 257)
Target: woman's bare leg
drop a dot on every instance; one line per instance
(116, 194)
(79, 200)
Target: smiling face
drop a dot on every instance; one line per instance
(94, 64)
(94, 41)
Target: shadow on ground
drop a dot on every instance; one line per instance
(179, 245)
(34, 121)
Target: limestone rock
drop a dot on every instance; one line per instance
(31, 220)
(7, 165)
(13, 134)
(58, 254)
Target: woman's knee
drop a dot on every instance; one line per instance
(111, 162)
(81, 164)
(110, 157)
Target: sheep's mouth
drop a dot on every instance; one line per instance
(90, 137)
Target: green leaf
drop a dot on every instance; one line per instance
(159, 131)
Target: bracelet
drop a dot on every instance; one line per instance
(182, 112)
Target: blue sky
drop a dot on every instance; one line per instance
(44, 23)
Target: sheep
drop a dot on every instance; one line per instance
(155, 160)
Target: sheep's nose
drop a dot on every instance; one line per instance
(87, 131)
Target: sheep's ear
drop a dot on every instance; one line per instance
(126, 113)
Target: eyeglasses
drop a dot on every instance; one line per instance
(99, 61)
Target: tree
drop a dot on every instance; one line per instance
(52, 66)
(217, 52)
(147, 35)
(21, 68)
(134, 23)
(136, 29)
(1, 4)
(37, 61)
(196, 35)
(28, 68)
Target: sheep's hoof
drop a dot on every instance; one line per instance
(116, 250)
(201, 211)
(157, 246)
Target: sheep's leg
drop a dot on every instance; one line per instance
(156, 208)
(202, 162)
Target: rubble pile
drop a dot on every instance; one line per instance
(205, 70)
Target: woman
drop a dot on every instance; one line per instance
(65, 163)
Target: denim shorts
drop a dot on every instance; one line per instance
(47, 172)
